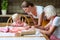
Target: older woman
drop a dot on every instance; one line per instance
(54, 25)
(33, 11)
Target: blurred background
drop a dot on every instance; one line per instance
(14, 5)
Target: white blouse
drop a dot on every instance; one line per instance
(56, 23)
(39, 10)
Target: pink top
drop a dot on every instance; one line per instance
(19, 24)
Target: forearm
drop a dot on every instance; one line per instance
(40, 19)
(45, 32)
(33, 20)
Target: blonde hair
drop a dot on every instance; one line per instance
(50, 11)
(14, 16)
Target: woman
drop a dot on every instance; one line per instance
(53, 27)
(33, 11)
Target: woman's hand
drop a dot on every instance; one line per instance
(43, 28)
(37, 26)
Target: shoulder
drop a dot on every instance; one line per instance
(56, 21)
(39, 6)
(39, 9)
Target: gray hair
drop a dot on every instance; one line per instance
(50, 11)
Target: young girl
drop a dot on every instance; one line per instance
(17, 22)
(18, 25)
(53, 27)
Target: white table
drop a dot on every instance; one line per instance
(11, 36)
(22, 38)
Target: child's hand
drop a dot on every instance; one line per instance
(18, 34)
(26, 28)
